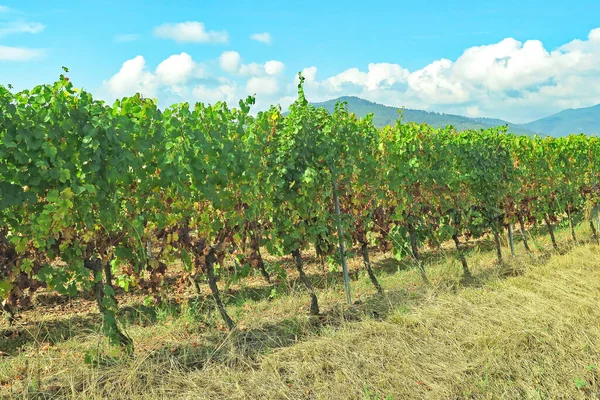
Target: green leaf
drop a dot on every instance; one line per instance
(109, 291)
(5, 288)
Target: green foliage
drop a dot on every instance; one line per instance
(368, 395)
(95, 195)
(580, 383)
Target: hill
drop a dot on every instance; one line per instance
(579, 120)
(386, 115)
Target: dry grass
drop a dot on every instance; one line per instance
(523, 330)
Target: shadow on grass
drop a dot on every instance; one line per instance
(244, 347)
(237, 347)
(200, 308)
(12, 339)
(55, 331)
(270, 335)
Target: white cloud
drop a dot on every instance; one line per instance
(380, 76)
(264, 37)
(473, 111)
(252, 69)
(10, 28)
(274, 67)
(170, 79)
(352, 76)
(133, 77)
(435, 82)
(230, 61)
(512, 80)
(385, 74)
(509, 79)
(127, 37)
(177, 69)
(8, 53)
(262, 86)
(269, 68)
(190, 31)
(509, 65)
(227, 91)
(309, 74)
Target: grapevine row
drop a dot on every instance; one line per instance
(94, 196)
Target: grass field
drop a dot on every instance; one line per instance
(525, 329)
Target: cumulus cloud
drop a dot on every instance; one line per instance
(230, 61)
(309, 74)
(171, 75)
(435, 82)
(473, 111)
(513, 80)
(8, 53)
(380, 80)
(133, 77)
(177, 69)
(190, 31)
(510, 79)
(180, 78)
(385, 75)
(226, 91)
(274, 67)
(377, 77)
(264, 37)
(252, 69)
(262, 86)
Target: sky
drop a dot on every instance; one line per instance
(515, 60)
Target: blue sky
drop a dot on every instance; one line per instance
(517, 60)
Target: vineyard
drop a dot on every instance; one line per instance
(100, 200)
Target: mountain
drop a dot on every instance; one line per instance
(578, 120)
(386, 115)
